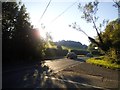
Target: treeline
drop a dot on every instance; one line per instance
(20, 41)
(80, 52)
(72, 44)
(55, 52)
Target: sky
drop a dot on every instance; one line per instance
(60, 14)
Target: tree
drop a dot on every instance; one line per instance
(117, 3)
(59, 47)
(9, 13)
(89, 11)
(111, 35)
(20, 40)
(111, 38)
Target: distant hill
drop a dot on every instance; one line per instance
(71, 45)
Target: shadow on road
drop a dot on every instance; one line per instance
(40, 77)
(81, 60)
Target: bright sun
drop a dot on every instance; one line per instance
(57, 29)
(42, 32)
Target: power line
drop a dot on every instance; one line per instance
(64, 11)
(45, 10)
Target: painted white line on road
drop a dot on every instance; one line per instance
(57, 66)
(67, 66)
(70, 81)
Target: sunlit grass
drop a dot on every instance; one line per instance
(81, 55)
(51, 46)
(48, 45)
(71, 48)
(102, 62)
(67, 48)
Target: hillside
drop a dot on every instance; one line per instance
(71, 45)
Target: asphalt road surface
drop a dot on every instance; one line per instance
(80, 72)
(60, 64)
(31, 77)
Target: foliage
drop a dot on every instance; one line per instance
(48, 37)
(54, 52)
(21, 43)
(71, 44)
(111, 36)
(111, 39)
(89, 11)
(93, 49)
(89, 14)
(59, 47)
(53, 49)
(107, 41)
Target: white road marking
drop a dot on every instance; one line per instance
(70, 81)
(61, 64)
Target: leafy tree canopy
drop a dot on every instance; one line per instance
(20, 40)
(111, 35)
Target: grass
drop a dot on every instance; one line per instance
(71, 48)
(81, 55)
(101, 61)
(66, 48)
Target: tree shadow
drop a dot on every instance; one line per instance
(73, 81)
(41, 76)
(79, 59)
(45, 78)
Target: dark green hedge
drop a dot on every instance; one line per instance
(95, 52)
(51, 52)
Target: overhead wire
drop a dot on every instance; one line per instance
(45, 10)
(59, 14)
(64, 11)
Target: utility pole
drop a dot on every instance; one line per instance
(117, 5)
(119, 10)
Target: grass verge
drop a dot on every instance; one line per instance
(102, 62)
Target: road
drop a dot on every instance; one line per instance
(60, 64)
(87, 74)
(31, 77)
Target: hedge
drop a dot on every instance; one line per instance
(52, 52)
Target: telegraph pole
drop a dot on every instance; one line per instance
(119, 9)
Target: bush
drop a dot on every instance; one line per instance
(53, 52)
(95, 52)
(50, 52)
(113, 56)
(62, 52)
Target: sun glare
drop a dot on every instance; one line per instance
(42, 32)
